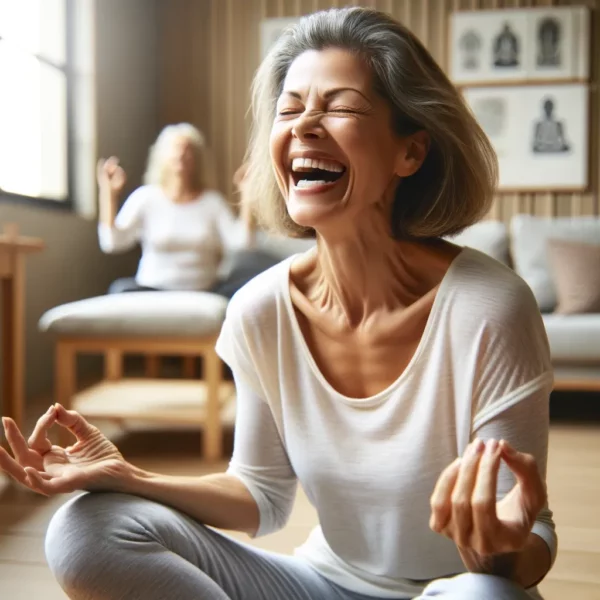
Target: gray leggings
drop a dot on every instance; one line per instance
(115, 546)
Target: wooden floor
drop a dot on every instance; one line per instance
(573, 480)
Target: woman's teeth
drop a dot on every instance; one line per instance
(307, 183)
(304, 164)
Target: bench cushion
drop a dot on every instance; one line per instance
(187, 314)
(574, 338)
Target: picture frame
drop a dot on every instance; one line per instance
(270, 30)
(540, 134)
(489, 46)
(528, 45)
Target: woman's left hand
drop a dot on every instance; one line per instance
(464, 506)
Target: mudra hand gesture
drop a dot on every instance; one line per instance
(464, 506)
(111, 175)
(92, 463)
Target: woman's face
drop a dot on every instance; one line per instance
(181, 157)
(332, 145)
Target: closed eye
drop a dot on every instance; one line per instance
(347, 111)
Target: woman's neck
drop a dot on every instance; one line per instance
(367, 272)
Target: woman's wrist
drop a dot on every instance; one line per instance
(501, 565)
(132, 480)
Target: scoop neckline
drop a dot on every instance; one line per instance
(380, 397)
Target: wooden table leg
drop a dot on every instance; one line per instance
(13, 341)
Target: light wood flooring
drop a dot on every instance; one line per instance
(573, 480)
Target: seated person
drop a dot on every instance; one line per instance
(183, 226)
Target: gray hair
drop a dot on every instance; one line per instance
(455, 185)
(156, 173)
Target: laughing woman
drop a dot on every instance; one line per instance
(402, 380)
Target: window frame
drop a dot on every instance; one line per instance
(43, 201)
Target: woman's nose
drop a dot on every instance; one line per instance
(308, 126)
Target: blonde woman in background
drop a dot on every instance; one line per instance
(183, 225)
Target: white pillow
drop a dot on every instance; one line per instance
(489, 237)
(529, 249)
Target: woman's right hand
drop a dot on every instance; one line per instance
(93, 463)
(111, 175)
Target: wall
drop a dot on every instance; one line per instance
(210, 50)
(72, 267)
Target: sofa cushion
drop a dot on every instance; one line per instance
(188, 314)
(489, 237)
(573, 338)
(575, 268)
(530, 236)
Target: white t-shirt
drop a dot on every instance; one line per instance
(182, 243)
(369, 466)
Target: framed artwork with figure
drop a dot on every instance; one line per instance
(540, 134)
(270, 30)
(494, 47)
(561, 40)
(488, 46)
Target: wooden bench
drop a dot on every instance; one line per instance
(153, 324)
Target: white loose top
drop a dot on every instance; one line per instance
(369, 466)
(182, 243)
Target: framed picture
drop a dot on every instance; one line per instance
(489, 46)
(270, 30)
(518, 46)
(561, 43)
(540, 134)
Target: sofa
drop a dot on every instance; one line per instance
(559, 258)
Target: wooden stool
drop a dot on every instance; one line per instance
(150, 323)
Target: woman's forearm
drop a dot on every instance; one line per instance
(218, 500)
(527, 567)
(108, 199)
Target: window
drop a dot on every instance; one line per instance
(35, 98)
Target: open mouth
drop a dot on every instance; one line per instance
(312, 173)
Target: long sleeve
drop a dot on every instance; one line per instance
(260, 460)
(525, 426)
(512, 392)
(126, 230)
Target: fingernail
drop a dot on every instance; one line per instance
(477, 446)
(491, 446)
(507, 448)
(5, 421)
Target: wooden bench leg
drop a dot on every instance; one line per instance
(189, 367)
(65, 381)
(213, 428)
(113, 365)
(152, 366)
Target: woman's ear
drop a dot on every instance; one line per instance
(416, 147)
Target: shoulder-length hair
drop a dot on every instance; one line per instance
(156, 173)
(455, 185)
